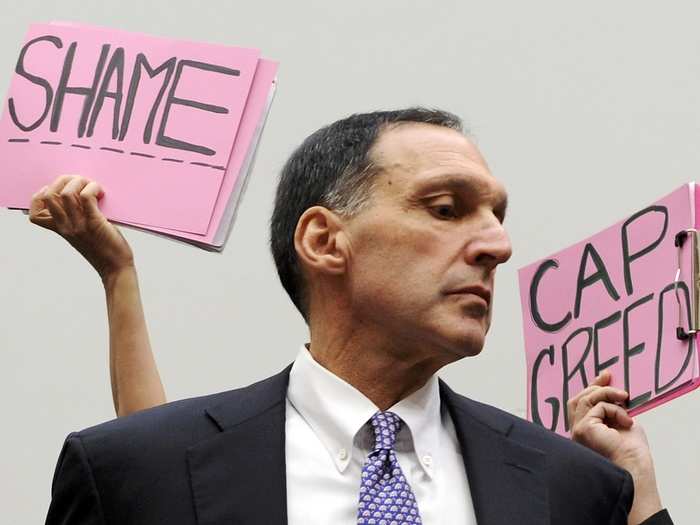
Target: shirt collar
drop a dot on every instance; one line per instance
(335, 410)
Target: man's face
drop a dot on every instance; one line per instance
(423, 254)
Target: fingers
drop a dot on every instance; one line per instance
(605, 394)
(38, 213)
(89, 197)
(57, 185)
(53, 204)
(66, 204)
(595, 415)
(603, 413)
(611, 414)
(614, 395)
(70, 199)
(603, 378)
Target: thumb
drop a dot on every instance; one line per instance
(603, 379)
(38, 212)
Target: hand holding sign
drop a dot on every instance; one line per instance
(600, 423)
(69, 207)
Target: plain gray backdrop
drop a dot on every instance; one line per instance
(586, 110)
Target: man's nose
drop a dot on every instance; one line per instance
(491, 246)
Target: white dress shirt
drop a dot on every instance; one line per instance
(328, 440)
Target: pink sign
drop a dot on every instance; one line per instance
(612, 302)
(257, 103)
(153, 119)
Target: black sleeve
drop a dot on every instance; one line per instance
(625, 498)
(74, 496)
(660, 518)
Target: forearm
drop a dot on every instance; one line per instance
(647, 501)
(134, 375)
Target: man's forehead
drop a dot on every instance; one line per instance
(417, 151)
(417, 146)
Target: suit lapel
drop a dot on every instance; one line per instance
(506, 478)
(239, 475)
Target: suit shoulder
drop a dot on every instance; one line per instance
(563, 453)
(181, 421)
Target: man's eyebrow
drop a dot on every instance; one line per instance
(469, 185)
(457, 182)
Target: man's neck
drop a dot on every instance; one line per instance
(384, 373)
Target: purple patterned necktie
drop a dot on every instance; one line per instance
(385, 496)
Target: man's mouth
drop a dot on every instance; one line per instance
(478, 290)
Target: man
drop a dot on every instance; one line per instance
(387, 231)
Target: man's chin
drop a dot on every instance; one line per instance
(471, 349)
(471, 335)
(467, 344)
(459, 337)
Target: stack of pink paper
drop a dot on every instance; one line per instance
(168, 128)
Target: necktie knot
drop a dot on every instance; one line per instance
(386, 425)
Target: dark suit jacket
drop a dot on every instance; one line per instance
(221, 459)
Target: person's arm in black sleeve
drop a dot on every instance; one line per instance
(74, 496)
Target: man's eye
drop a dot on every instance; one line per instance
(444, 211)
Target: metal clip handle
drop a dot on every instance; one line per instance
(681, 237)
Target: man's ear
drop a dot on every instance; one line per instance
(320, 241)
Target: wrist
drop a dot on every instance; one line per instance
(647, 500)
(112, 276)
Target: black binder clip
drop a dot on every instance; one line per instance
(679, 241)
(682, 334)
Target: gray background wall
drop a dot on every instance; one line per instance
(586, 110)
